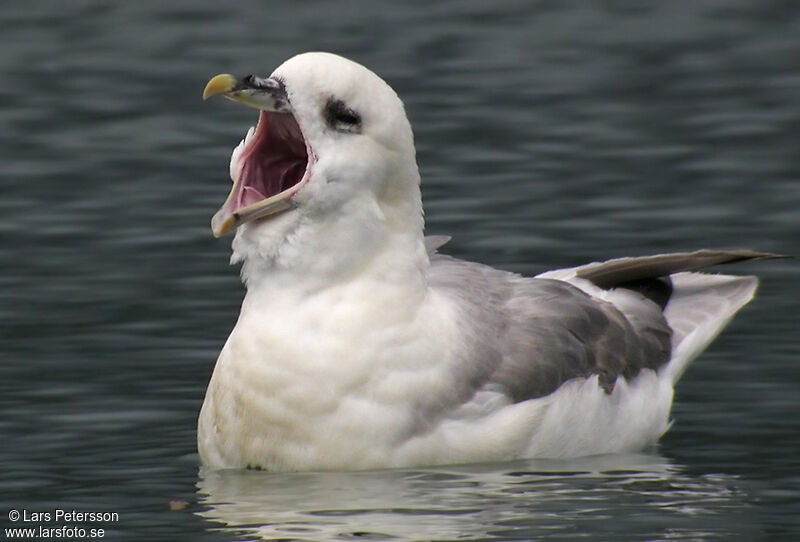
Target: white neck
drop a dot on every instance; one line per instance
(365, 240)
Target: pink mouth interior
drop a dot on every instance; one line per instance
(273, 161)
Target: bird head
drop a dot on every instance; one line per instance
(332, 141)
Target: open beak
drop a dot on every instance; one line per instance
(271, 164)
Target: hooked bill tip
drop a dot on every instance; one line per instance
(219, 84)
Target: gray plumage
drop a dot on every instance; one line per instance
(526, 337)
(614, 272)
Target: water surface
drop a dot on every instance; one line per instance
(548, 134)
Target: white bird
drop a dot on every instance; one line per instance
(358, 346)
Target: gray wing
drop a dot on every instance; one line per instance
(435, 242)
(528, 336)
(556, 333)
(626, 270)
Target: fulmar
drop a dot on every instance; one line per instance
(360, 346)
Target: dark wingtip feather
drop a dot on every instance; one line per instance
(613, 273)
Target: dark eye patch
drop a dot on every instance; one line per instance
(342, 118)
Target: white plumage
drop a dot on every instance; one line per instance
(357, 347)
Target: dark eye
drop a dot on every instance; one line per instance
(342, 118)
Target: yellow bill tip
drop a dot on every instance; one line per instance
(222, 223)
(219, 84)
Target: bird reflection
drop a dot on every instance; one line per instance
(644, 496)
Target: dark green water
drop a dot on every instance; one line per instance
(549, 134)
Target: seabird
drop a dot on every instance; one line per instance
(359, 346)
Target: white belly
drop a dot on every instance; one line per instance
(278, 417)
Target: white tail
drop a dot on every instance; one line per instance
(700, 307)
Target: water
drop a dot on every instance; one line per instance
(548, 134)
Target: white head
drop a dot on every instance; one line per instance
(329, 175)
